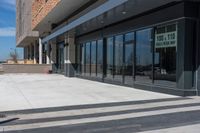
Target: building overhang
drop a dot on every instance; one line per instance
(27, 39)
(63, 9)
(105, 7)
(109, 12)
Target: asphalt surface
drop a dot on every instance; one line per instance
(119, 117)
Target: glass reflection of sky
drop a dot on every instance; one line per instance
(143, 47)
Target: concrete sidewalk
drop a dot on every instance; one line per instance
(31, 91)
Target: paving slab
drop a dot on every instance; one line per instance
(32, 91)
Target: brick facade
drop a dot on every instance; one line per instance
(40, 8)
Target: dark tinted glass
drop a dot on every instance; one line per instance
(110, 46)
(100, 58)
(128, 62)
(82, 59)
(118, 54)
(165, 57)
(93, 58)
(144, 55)
(88, 58)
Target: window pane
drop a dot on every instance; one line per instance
(144, 55)
(78, 59)
(100, 58)
(128, 64)
(93, 58)
(88, 59)
(82, 59)
(110, 58)
(129, 37)
(165, 56)
(118, 58)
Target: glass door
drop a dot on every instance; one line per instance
(165, 55)
(144, 53)
(60, 58)
(129, 58)
(118, 58)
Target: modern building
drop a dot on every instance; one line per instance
(25, 36)
(145, 44)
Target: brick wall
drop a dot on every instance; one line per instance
(40, 8)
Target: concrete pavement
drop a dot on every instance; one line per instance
(39, 103)
(30, 91)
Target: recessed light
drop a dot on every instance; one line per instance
(124, 12)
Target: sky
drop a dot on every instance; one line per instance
(8, 29)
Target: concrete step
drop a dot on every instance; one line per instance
(143, 111)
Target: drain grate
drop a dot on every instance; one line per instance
(2, 116)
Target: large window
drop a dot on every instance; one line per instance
(165, 55)
(100, 58)
(109, 67)
(128, 59)
(60, 57)
(144, 55)
(88, 58)
(118, 58)
(93, 58)
(82, 66)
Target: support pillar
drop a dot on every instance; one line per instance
(25, 53)
(69, 51)
(40, 51)
(185, 64)
(48, 53)
(30, 52)
(35, 53)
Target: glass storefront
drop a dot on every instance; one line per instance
(118, 58)
(100, 58)
(129, 58)
(82, 66)
(60, 59)
(165, 55)
(93, 58)
(109, 53)
(145, 56)
(87, 59)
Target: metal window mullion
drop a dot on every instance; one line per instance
(153, 54)
(114, 67)
(134, 56)
(123, 60)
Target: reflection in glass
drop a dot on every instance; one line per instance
(109, 68)
(93, 58)
(60, 58)
(128, 64)
(100, 58)
(144, 55)
(165, 59)
(88, 58)
(118, 60)
(82, 59)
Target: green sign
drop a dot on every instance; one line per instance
(165, 40)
